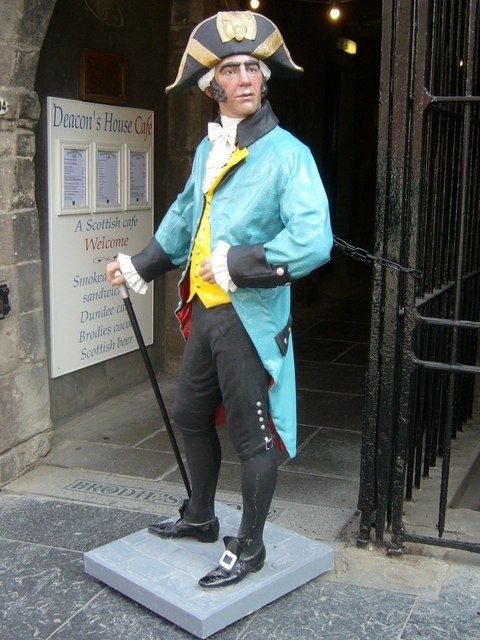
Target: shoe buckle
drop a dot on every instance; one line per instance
(227, 560)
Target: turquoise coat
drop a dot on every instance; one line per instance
(273, 210)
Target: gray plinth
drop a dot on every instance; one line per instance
(162, 575)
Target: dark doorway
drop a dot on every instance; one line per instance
(334, 110)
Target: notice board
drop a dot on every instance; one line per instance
(100, 201)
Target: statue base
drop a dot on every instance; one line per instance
(162, 574)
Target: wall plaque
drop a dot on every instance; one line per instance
(103, 78)
(4, 106)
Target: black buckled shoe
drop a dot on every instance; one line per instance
(233, 565)
(205, 532)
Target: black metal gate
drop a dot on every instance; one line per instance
(425, 330)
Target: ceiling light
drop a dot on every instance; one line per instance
(254, 4)
(349, 46)
(334, 12)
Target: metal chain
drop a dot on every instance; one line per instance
(362, 254)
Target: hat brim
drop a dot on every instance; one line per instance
(210, 43)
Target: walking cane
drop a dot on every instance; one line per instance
(153, 380)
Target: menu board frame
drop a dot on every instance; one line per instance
(87, 317)
(130, 204)
(118, 204)
(75, 208)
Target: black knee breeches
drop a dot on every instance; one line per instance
(220, 363)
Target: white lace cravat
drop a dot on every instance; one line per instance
(223, 139)
(217, 132)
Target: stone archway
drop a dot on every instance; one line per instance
(25, 386)
(25, 430)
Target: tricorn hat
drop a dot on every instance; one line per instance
(230, 33)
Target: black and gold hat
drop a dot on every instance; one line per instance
(230, 33)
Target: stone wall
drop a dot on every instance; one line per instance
(25, 425)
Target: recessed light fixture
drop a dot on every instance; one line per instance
(349, 46)
(334, 12)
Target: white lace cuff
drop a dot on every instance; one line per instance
(134, 281)
(220, 267)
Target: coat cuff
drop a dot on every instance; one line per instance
(249, 267)
(152, 261)
(134, 280)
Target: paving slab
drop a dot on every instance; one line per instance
(456, 615)
(339, 330)
(333, 377)
(162, 575)
(66, 525)
(130, 461)
(40, 588)
(318, 350)
(330, 452)
(141, 495)
(327, 408)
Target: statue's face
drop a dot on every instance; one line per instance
(240, 82)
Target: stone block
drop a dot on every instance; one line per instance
(25, 68)
(7, 183)
(35, 19)
(30, 452)
(24, 106)
(17, 461)
(29, 107)
(10, 16)
(6, 238)
(26, 237)
(7, 142)
(8, 276)
(8, 467)
(29, 294)
(24, 187)
(16, 184)
(9, 342)
(163, 575)
(25, 405)
(25, 144)
(32, 337)
(7, 60)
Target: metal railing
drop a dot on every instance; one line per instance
(424, 336)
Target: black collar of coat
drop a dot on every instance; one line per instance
(255, 126)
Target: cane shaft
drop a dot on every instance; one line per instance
(156, 389)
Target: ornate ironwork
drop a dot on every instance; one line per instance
(425, 331)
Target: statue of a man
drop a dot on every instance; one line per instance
(252, 218)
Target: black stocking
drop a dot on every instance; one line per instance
(259, 477)
(204, 455)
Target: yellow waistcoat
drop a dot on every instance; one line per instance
(211, 295)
